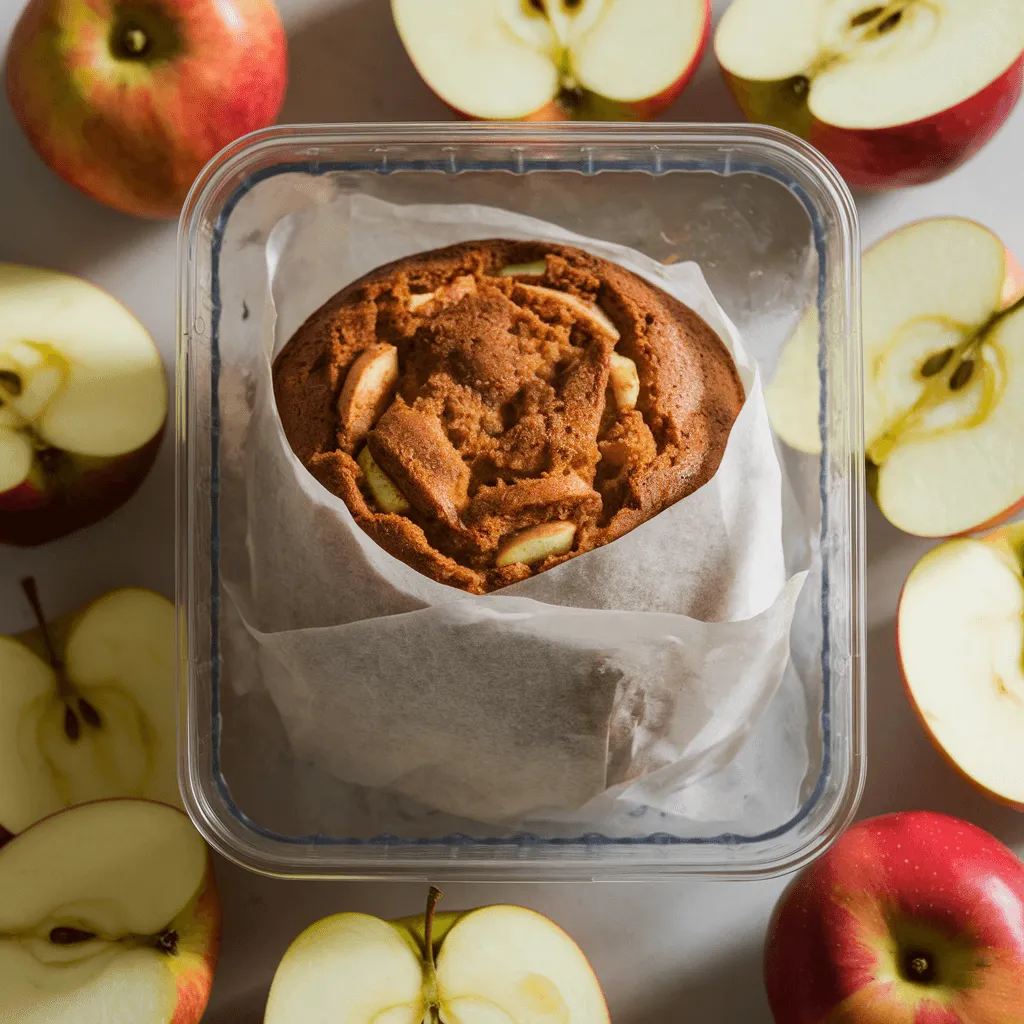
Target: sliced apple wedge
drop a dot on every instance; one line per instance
(961, 649)
(589, 310)
(83, 401)
(108, 912)
(386, 495)
(944, 379)
(536, 543)
(491, 965)
(624, 380)
(94, 720)
(893, 92)
(368, 389)
(552, 59)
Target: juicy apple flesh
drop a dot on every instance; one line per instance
(961, 647)
(107, 913)
(555, 59)
(492, 964)
(83, 401)
(868, 82)
(944, 379)
(87, 711)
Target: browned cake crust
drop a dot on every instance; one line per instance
(484, 426)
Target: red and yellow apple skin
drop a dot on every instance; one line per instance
(896, 157)
(199, 938)
(910, 918)
(133, 131)
(78, 491)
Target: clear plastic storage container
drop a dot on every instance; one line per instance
(774, 230)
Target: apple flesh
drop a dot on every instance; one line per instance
(554, 60)
(87, 712)
(868, 82)
(944, 379)
(498, 963)
(129, 101)
(83, 402)
(909, 918)
(961, 649)
(108, 912)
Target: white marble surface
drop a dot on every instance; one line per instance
(665, 951)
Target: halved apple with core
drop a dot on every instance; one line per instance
(499, 963)
(552, 60)
(943, 323)
(893, 92)
(108, 913)
(960, 636)
(87, 711)
(83, 401)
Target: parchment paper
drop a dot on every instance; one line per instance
(614, 680)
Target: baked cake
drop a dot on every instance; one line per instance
(489, 410)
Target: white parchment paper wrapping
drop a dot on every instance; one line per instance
(614, 680)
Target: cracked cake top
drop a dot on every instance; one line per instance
(491, 409)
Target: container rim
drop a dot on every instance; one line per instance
(787, 160)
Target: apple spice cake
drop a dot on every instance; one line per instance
(489, 410)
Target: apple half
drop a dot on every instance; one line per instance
(494, 964)
(554, 60)
(108, 912)
(893, 92)
(83, 402)
(943, 324)
(87, 709)
(960, 637)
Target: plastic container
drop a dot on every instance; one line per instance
(774, 229)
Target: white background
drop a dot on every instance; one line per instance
(663, 951)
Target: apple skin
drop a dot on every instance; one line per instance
(85, 491)
(906, 883)
(194, 975)
(895, 157)
(1009, 540)
(598, 108)
(132, 134)
(193, 970)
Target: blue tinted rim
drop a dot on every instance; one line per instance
(659, 164)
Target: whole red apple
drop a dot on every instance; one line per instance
(127, 101)
(911, 918)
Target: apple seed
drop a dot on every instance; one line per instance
(890, 23)
(71, 727)
(10, 382)
(70, 936)
(936, 362)
(89, 713)
(962, 375)
(865, 16)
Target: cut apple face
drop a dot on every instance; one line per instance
(93, 720)
(555, 59)
(108, 912)
(82, 394)
(491, 965)
(960, 634)
(894, 92)
(944, 379)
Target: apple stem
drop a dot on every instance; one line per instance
(32, 594)
(65, 690)
(434, 1010)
